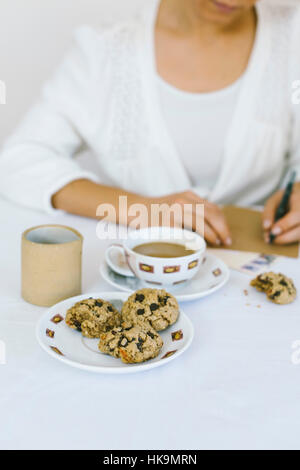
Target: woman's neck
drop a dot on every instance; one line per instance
(195, 54)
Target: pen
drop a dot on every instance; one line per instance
(283, 207)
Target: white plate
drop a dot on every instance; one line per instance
(70, 347)
(212, 275)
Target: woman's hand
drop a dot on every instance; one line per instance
(216, 230)
(287, 229)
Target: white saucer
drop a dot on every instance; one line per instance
(212, 275)
(71, 348)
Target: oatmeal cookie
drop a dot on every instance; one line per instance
(279, 288)
(131, 343)
(93, 317)
(155, 306)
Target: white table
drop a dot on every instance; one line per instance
(235, 388)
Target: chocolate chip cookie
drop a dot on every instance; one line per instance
(131, 343)
(93, 317)
(155, 306)
(279, 288)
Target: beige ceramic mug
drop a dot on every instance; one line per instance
(51, 264)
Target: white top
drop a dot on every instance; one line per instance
(198, 124)
(105, 96)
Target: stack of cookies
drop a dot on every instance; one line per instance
(132, 334)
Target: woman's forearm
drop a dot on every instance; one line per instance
(83, 197)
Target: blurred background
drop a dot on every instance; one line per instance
(34, 36)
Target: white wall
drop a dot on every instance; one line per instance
(34, 35)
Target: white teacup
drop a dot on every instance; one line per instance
(155, 270)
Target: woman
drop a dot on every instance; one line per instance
(190, 103)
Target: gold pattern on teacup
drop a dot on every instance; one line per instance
(57, 319)
(171, 269)
(193, 264)
(177, 335)
(56, 350)
(169, 354)
(146, 267)
(50, 333)
(217, 272)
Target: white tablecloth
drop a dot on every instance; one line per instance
(236, 387)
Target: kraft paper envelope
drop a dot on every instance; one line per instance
(247, 233)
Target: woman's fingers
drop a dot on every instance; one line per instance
(216, 230)
(212, 221)
(270, 210)
(211, 236)
(217, 221)
(288, 222)
(191, 221)
(285, 230)
(291, 236)
(215, 218)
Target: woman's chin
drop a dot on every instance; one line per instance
(221, 12)
(224, 8)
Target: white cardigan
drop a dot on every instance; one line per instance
(104, 96)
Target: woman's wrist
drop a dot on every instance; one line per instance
(89, 199)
